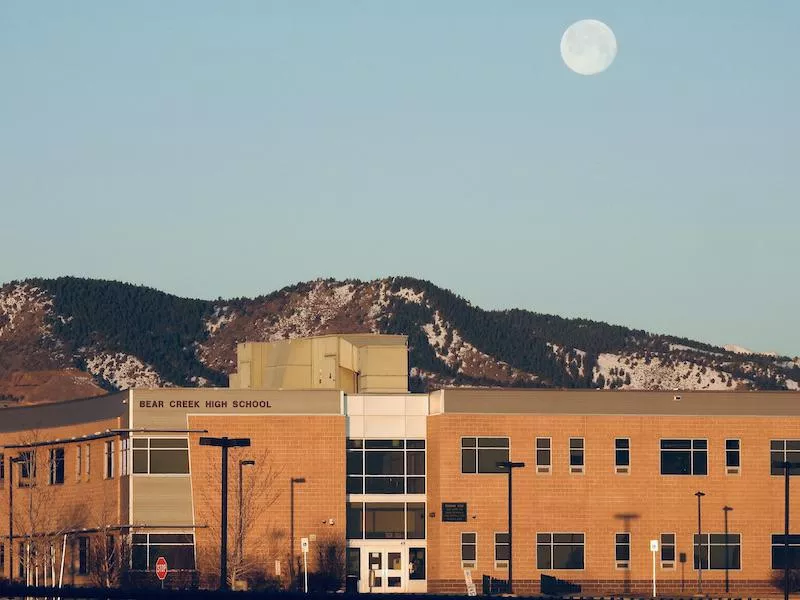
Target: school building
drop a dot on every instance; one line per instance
(408, 491)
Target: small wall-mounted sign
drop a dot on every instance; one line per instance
(454, 512)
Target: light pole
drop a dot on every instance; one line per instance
(507, 464)
(699, 546)
(224, 443)
(787, 466)
(242, 463)
(292, 481)
(726, 509)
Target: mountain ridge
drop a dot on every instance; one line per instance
(128, 335)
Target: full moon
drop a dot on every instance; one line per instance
(588, 47)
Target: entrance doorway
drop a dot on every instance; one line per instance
(388, 569)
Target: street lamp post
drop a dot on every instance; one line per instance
(699, 546)
(224, 443)
(242, 463)
(787, 466)
(292, 481)
(726, 510)
(507, 464)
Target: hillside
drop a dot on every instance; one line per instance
(126, 336)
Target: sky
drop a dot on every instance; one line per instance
(226, 149)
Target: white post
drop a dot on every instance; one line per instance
(654, 549)
(63, 555)
(305, 572)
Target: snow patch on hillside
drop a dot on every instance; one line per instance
(410, 295)
(791, 384)
(322, 303)
(657, 375)
(124, 371)
(19, 301)
(221, 317)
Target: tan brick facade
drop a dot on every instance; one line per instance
(284, 448)
(594, 502)
(85, 501)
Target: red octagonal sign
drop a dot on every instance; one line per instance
(161, 568)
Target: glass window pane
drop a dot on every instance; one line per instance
(171, 538)
(576, 443)
(776, 445)
(622, 443)
(623, 538)
(179, 558)
(676, 463)
(415, 485)
(469, 461)
(415, 462)
(415, 521)
(622, 458)
(488, 459)
(700, 463)
(384, 520)
(623, 552)
(700, 444)
(544, 538)
(416, 559)
(469, 442)
(676, 444)
(139, 557)
(732, 444)
(354, 444)
(140, 442)
(355, 464)
(415, 444)
(543, 557)
(355, 485)
(468, 538)
(169, 443)
(468, 552)
(543, 443)
(668, 553)
(576, 458)
(543, 457)
(354, 561)
(793, 444)
(140, 461)
(732, 458)
(355, 511)
(385, 462)
(568, 557)
(169, 461)
(501, 538)
(492, 442)
(384, 485)
(384, 444)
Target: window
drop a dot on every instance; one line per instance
(2, 558)
(543, 456)
(779, 551)
(56, 466)
(622, 550)
(559, 551)
(732, 457)
(108, 459)
(88, 458)
(684, 457)
(502, 550)
(124, 457)
(78, 462)
(416, 564)
(782, 451)
(161, 456)
(622, 455)
(469, 550)
(717, 553)
(385, 520)
(667, 550)
(576, 455)
(27, 469)
(83, 555)
(385, 466)
(177, 548)
(2, 472)
(481, 454)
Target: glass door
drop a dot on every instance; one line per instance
(385, 573)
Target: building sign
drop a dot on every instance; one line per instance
(205, 404)
(454, 512)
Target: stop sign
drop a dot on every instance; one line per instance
(161, 568)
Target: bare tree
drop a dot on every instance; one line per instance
(253, 540)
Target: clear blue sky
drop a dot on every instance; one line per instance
(231, 148)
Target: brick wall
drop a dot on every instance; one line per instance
(86, 502)
(594, 502)
(284, 447)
